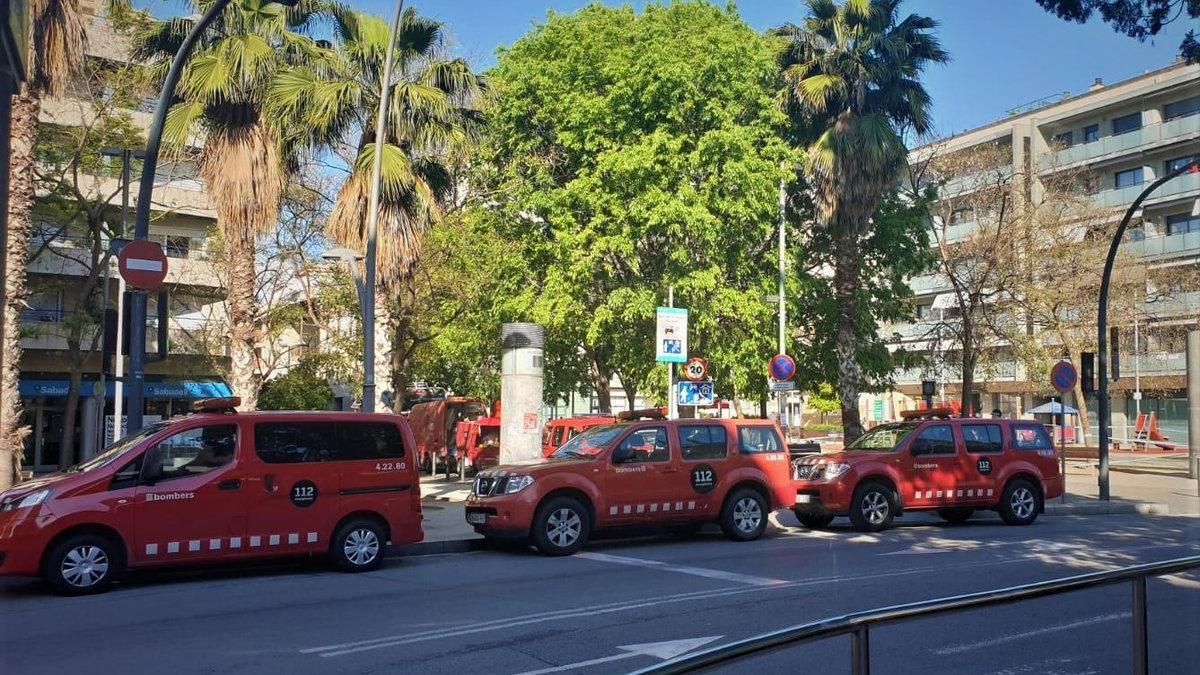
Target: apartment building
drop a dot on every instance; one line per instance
(61, 260)
(1123, 136)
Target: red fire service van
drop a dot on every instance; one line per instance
(219, 486)
(675, 473)
(952, 466)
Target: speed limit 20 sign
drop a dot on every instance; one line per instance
(695, 369)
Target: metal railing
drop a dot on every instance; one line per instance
(858, 625)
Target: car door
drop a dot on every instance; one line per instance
(648, 486)
(984, 445)
(293, 487)
(378, 474)
(191, 503)
(932, 462)
(704, 452)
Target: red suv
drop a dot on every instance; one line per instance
(677, 473)
(952, 466)
(219, 486)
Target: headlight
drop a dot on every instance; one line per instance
(835, 470)
(517, 483)
(31, 499)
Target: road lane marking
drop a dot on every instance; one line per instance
(1012, 637)
(659, 650)
(683, 569)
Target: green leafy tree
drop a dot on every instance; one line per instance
(851, 89)
(1139, 19)
(333, 102)
(629, 152)
(301, 388)
(245, 154)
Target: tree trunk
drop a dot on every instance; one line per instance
(66, 452)
(245, 376)
(969, 358)
(601, 378)
(846, 283)
(386, 335)
(25, 109)
(630, 392)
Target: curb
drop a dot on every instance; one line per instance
(439, 547)
(1099, 508)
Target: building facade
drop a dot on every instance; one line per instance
(69, 286)
(1122, 136)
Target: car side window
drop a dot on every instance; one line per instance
(935, 440)
(556, 438)
(702, 441)
(1031, 437)
(370, 440)
(982, 438)
(648, 445)
(759, 439)
(294, 442)
(128, 475)
(191, 453)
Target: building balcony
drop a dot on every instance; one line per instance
(1168, 246)
(960, 185)
(1179, 187)
(1001, 371)
(190, 265)
(1178, 130)
(1160, 363)
(1173, 305)
(926, 284)
(50, 330)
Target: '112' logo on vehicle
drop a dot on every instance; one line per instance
(984, 466)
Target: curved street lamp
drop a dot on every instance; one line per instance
(1102, 318)
(141, 227)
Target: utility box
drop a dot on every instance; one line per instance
(521, 382)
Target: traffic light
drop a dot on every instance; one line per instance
(1087, 372)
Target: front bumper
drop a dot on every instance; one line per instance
(505, 516)
(21, 543)
(819, 496)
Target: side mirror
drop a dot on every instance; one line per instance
(151, 467)
(622, 454)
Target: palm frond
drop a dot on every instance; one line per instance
(59, 43)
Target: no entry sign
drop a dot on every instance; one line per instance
(782, 367)
(143, 264)
(1063, 376)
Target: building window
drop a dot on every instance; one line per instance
(177, 247)
(1128, 177)
(1188, 106)
(1127, 123)
(924, 312)
(1182, 223)
(1179, 162)
(1091, 133)
(1066, 139)
(962, 215)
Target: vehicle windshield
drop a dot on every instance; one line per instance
(113, 451)
(589, 443)
(883, 438)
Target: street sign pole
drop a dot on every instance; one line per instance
(672, 395)
(781, 396)
(1063, 378)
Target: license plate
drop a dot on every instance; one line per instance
(803, 499)
(477, 518)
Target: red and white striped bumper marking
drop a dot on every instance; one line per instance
(215, 544)
(627, 509)
(952, 493)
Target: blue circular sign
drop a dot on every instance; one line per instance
(782, 367)
(1063, 377)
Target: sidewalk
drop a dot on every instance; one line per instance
(1173, 491)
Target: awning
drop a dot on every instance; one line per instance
(153, 390)
(1052, 408)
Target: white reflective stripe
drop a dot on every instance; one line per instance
(960, 493)
(929, 494)
(989, 493)
(143, 264)
(151, 549)
(970, 493)
(628, 508)
(294, 538)
(666, 506)
(235, 542)
(312, 537)
(612, 511)
(691, 506)
(939, 494)
(918, 495)
(641, 508)
(214, 544)
(255, 541)
(678, 506)
(273, 540)
(194, 545)
(654, 507)
(173, 547)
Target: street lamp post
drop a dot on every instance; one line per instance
(141, 227)
(1102, 406)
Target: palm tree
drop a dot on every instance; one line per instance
(243, 160)
(851, 89)
(56, 55)
(433, 110)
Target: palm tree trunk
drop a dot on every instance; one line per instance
(846, 283)
(386, 334)
(244, 374)
(25, 109)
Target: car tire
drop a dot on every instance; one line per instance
(744, 515)
(83, 564)
(561, 526)
(957, 515)
(358, 546)
(813, 521)
(1020, 503)
(872, 507)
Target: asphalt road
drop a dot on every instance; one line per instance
(622, 605)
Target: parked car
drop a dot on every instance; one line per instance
(219, 486)
(675, 473)
(952, 466)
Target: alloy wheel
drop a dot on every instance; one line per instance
(875, 507)
(563, 527)
(361, 547)
(84, 566)
(1022, 502)
(747, 514)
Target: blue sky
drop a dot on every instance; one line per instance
(1005, 52)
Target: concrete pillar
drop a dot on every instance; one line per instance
(1193, 397)
(89, 430)
(521, 355)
